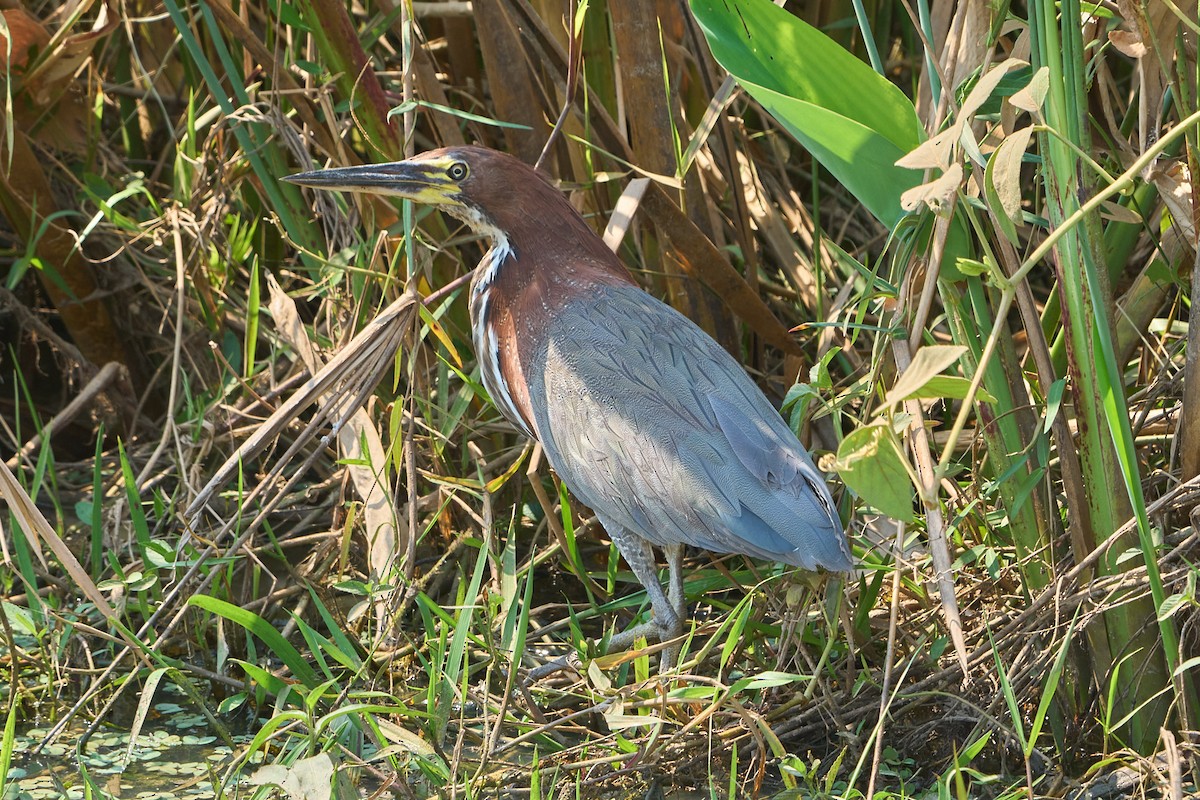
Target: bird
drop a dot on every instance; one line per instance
(649, 421)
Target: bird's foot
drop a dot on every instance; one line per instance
(665, 633)
(570, 661)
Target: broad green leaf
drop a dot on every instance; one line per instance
(264, 679)
(869, 462)
(970, 267)
(19, 618)
(930, 360)
(854, 122)
(1171, 605)
(948, 387)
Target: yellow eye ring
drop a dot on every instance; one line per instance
(457, 171)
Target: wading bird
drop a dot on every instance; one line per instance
(648, 420)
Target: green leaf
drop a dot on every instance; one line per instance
(1051, 686)
(1010, 697)
(270, 683)
(1054, 400)
(1171, 605)
(19, 618)
(699, 693)
(929, 361)
(765, 680)
(289, 15)
(852, 120)
(869, 462)
(974, 748)
(948, 387)
(970, 267)
(265, 632)
(409, 105)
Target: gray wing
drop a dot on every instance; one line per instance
(652, 424)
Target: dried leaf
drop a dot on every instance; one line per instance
(306, 779)
(29, 37)
(405, 739)
(1147, 22)
(38, 529)
(986, 86)
(622, 215)
(360, 444)
(701, 259)
(933, 153)
(1174, 183)
(1128, 42)
(68, 53)
(48, 104)
(1005, 173)
(936, 194)
(1119, 213)
(1034, 94)
(1021, 47)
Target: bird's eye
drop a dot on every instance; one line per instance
(457, 171)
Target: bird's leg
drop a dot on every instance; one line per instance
(667, 622)
(569, 661)
(669, 611)
(678, 599)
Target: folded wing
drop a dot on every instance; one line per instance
(657, 428)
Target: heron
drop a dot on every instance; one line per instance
(648, 420)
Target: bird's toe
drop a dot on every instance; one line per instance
(571, 661)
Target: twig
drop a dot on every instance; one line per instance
(96, 386)
(885, 691)
(930, 477)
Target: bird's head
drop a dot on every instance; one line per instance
(482, 187)
(497, 195)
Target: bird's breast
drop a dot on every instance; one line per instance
(519, 294)
(496, 340)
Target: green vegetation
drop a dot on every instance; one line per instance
(249, 458)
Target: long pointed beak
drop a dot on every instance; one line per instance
(413, 180)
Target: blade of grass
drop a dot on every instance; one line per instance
(264, 631)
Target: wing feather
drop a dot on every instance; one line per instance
(658, 429)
